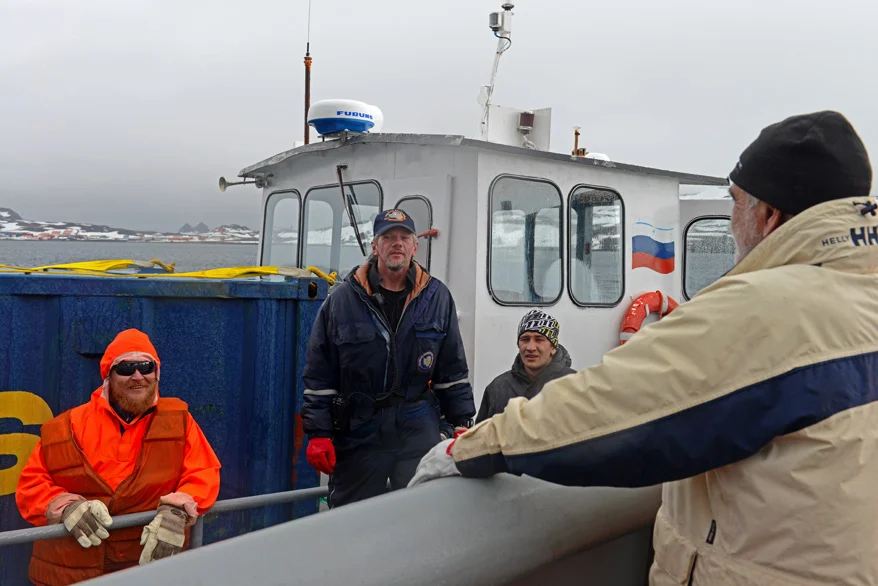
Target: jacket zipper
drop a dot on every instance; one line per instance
(128, 480)
(386, 326)
(692, 571)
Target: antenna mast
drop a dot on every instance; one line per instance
(501, 24)
(308, 77)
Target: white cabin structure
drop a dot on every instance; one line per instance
(518, 228)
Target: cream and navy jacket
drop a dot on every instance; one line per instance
(754, 404)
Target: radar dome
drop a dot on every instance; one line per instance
(333, 117)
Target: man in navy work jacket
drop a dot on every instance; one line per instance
(384, 348)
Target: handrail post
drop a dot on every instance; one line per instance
(196, 536)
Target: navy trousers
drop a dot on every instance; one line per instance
(381, 445)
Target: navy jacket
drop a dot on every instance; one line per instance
(353, 353)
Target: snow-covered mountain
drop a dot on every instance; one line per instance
(13, 226)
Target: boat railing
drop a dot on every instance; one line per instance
(196, 536)
(503, 530)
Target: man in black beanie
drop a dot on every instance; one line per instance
(793, 165)
(755, 403)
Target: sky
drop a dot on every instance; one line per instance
(126, 113)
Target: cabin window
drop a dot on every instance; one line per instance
(329, 240)
(420, 210)
(710, 253)
(597, 255)
(280, 244)
(524, 253)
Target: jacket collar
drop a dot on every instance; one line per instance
(417, 279)
(374, 279)
(834, 234)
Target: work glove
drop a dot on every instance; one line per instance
(321, 454)
(165, 535)
(437, 463)
(87, 521)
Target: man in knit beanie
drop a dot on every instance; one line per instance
(794, 165)
(540, 358)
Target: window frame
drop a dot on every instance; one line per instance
(265, 231)
(427, 201)
(622, 238)
(302, 243)
(561, 244)
(683, 290)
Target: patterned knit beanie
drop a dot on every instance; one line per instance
(541, 323)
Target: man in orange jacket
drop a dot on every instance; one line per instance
(125, 451)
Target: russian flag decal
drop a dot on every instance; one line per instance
(653, 248)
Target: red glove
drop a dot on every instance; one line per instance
(321, 454)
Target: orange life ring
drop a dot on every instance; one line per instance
(654, 302)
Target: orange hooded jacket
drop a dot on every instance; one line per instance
(111, 447)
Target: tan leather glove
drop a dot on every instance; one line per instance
(87, 521)
(165, 535)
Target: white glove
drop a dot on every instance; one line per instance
(87, 521)
(437, 463)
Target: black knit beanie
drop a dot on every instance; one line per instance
(804, 161)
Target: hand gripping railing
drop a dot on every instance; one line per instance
(196, 536)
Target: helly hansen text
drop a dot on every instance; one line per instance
(864, 236)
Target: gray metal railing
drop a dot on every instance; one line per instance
(503, 530)
(196, 536)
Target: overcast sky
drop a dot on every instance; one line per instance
(127, 112)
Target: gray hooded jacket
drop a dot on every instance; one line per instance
(515, 383)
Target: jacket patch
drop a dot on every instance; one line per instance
(425, 361)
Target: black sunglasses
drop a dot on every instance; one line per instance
(128, 368)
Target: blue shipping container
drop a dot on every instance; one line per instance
(234, 350)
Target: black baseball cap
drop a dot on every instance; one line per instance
(803, 161)
(388, 219)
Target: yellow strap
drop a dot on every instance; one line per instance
(102, 268)
(169, 268)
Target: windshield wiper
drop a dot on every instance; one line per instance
(349, 209)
